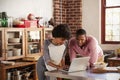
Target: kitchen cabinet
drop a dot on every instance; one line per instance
(2, 53)
(33, 40)
(114, 62)
(12, 43)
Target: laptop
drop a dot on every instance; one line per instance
(77, 64)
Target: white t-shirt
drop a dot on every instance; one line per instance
(56, 54)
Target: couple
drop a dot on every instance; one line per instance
(55, 49)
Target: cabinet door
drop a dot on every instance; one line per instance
(47, 33)
(14, 43)
(2, 50)
(33, 41)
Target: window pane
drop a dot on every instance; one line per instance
(108, 30)
(112, 28)
(116, 38)
(116, 30)
(112, 3)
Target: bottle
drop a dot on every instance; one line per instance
(4, 21)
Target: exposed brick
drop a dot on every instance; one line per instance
(71, 13)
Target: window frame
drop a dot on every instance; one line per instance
(103, 9)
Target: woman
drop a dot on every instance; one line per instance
(54, 51)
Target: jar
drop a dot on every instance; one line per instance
(10, 21)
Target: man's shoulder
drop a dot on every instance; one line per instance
(72, 41)
(91, 38)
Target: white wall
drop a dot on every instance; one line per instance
(21, 8)
(91, 21)
(44, 8)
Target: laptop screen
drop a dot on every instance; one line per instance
(79, 64)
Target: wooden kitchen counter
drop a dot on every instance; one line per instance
(114, 61)
(4, 69)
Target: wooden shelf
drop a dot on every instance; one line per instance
(12, 44)
(17, 64)
(15, 57)
(36, 42)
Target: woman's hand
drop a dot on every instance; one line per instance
(63, 67)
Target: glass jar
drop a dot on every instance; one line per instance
(10, 21)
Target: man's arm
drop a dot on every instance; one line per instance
(94, 50)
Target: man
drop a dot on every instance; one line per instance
(85, 46)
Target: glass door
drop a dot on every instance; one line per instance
(47, 33)
(14, 43)
(33, 41)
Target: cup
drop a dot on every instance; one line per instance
(9, 76)
(16, 52)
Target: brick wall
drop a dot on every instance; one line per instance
(68, 11)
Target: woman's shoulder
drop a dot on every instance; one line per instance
(47, 42)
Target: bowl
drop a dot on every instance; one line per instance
(13, 40)
(9, 53)
(16, 52)
(100, 65)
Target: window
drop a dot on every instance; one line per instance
(110, 21)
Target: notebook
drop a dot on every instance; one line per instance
(77, 64)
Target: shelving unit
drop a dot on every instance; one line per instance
(19, 71)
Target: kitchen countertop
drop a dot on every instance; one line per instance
(84, 75)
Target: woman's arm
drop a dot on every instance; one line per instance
(71, 51)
